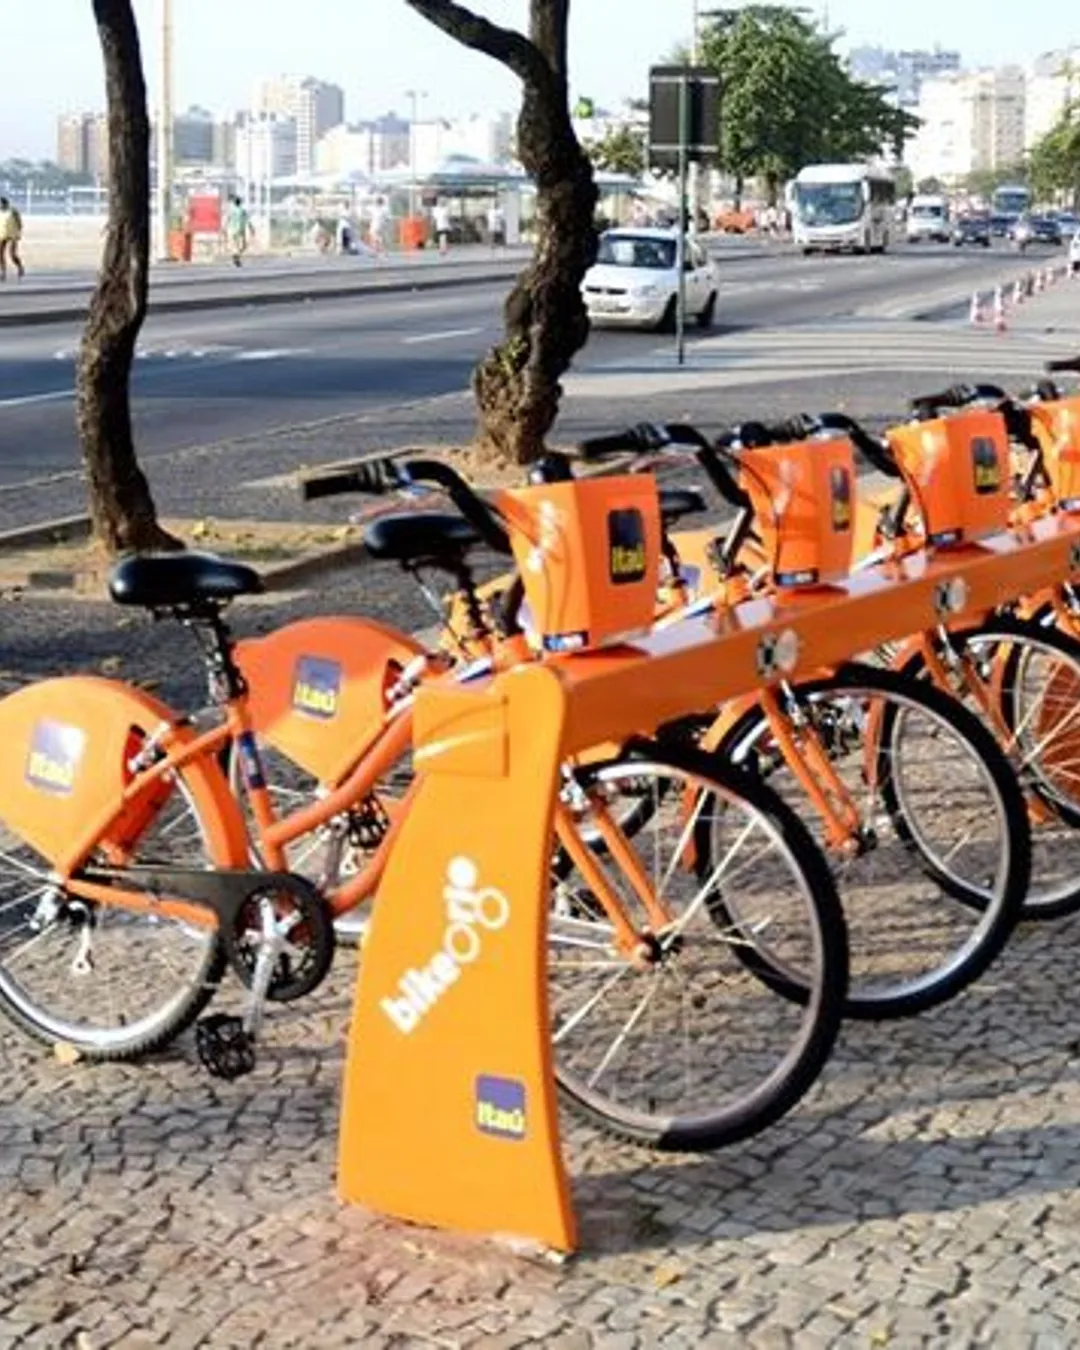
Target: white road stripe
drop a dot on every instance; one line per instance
(445, 335)
(268, 354)
(25, 399)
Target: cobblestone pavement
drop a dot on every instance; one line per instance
(923, 1194)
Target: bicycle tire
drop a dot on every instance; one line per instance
(156, 1028)
(999, 911)
(780, 1090)
(1045, 899)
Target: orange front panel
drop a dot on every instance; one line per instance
(449, 1110)
(589, 554)
(318, 688)
(67, 747)
(1057, 425)
(958, 470)
(803, 496)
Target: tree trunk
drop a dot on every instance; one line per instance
(517, 384)
(121, 507)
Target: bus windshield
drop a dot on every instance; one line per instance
(1011, 201)
(829, 203)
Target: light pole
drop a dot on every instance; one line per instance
(414, 96)
(165, 140)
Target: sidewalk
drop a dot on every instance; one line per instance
(1051, 312)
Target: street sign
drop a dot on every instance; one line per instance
(668, 86)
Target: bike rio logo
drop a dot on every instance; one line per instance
(471, 911)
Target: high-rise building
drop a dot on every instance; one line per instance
(193, 137)
(314, 105)
(904, 72)
(265, 147)
(970, 122)
(71, 142)
(224, 150)
(1053, 82)
(97, 147)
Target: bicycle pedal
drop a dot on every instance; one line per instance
(224, 1048)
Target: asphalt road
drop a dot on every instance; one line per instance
(209, 376)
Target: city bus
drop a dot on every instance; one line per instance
(836, 206)
(1011, 200)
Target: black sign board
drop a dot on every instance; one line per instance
(702, 114)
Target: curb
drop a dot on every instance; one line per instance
(72, 314)
(63, 529)
(360, 286)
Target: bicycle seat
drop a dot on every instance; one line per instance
(678, 502)
(164, 580)
(433, 538)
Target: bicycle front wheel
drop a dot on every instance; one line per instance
(685, 1048)
(929, 785)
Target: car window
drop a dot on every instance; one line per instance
(627, 250)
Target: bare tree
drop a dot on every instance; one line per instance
(517, 384)
(121, 507)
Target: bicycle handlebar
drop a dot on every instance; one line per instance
(1065, 365)
(378, 477)
(926, 406)
(647, 438)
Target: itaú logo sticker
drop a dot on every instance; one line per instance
(472, 911)
(500, 1107)
(56, 751)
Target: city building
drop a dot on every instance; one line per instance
(314, 105)
(1053, 82)
(266, 147)
(193, 137)
(369, 148)
(971, 122)
(484, 138)
(82, 144)
(902, 73)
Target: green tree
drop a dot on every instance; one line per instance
(517, 384)
(1054, 164)
(621, 151)
(788, 100)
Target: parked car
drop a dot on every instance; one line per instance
(973, 228)
(635, 280)
(1068, 224)
(1045, 230)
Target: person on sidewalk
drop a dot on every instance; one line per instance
(1074, 255)
(239, 229)
(377, 230)
(496, 223)
(10, 238)
(440, 218)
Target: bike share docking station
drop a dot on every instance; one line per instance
(449, 1113)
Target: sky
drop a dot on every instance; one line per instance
(377, 49)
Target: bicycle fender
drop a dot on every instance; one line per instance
(318, 688)
(69, 743)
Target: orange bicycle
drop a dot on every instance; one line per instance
(126, 877)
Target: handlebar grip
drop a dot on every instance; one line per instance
(472, 506)
(373, 477)
(873, 448)
(617, 443)
(1064, 365)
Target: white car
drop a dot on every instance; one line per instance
(635, 280)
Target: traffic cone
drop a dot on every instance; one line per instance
(1018, 293)
(999, 310)
(1039, 281)
(976, 314)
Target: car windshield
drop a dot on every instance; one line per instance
(936, 212)
(628, 250)
(829, 203)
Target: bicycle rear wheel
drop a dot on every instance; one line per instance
(109, 983)
(688, 1049)
(930, 785)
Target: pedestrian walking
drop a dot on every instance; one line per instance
(496, 223)
(440, 218)
(10, 238)
(380, 217)
(239, 230)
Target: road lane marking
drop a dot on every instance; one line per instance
(23, 399)
(268, 354)
(445, 335)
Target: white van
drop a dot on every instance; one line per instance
(928, 218)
